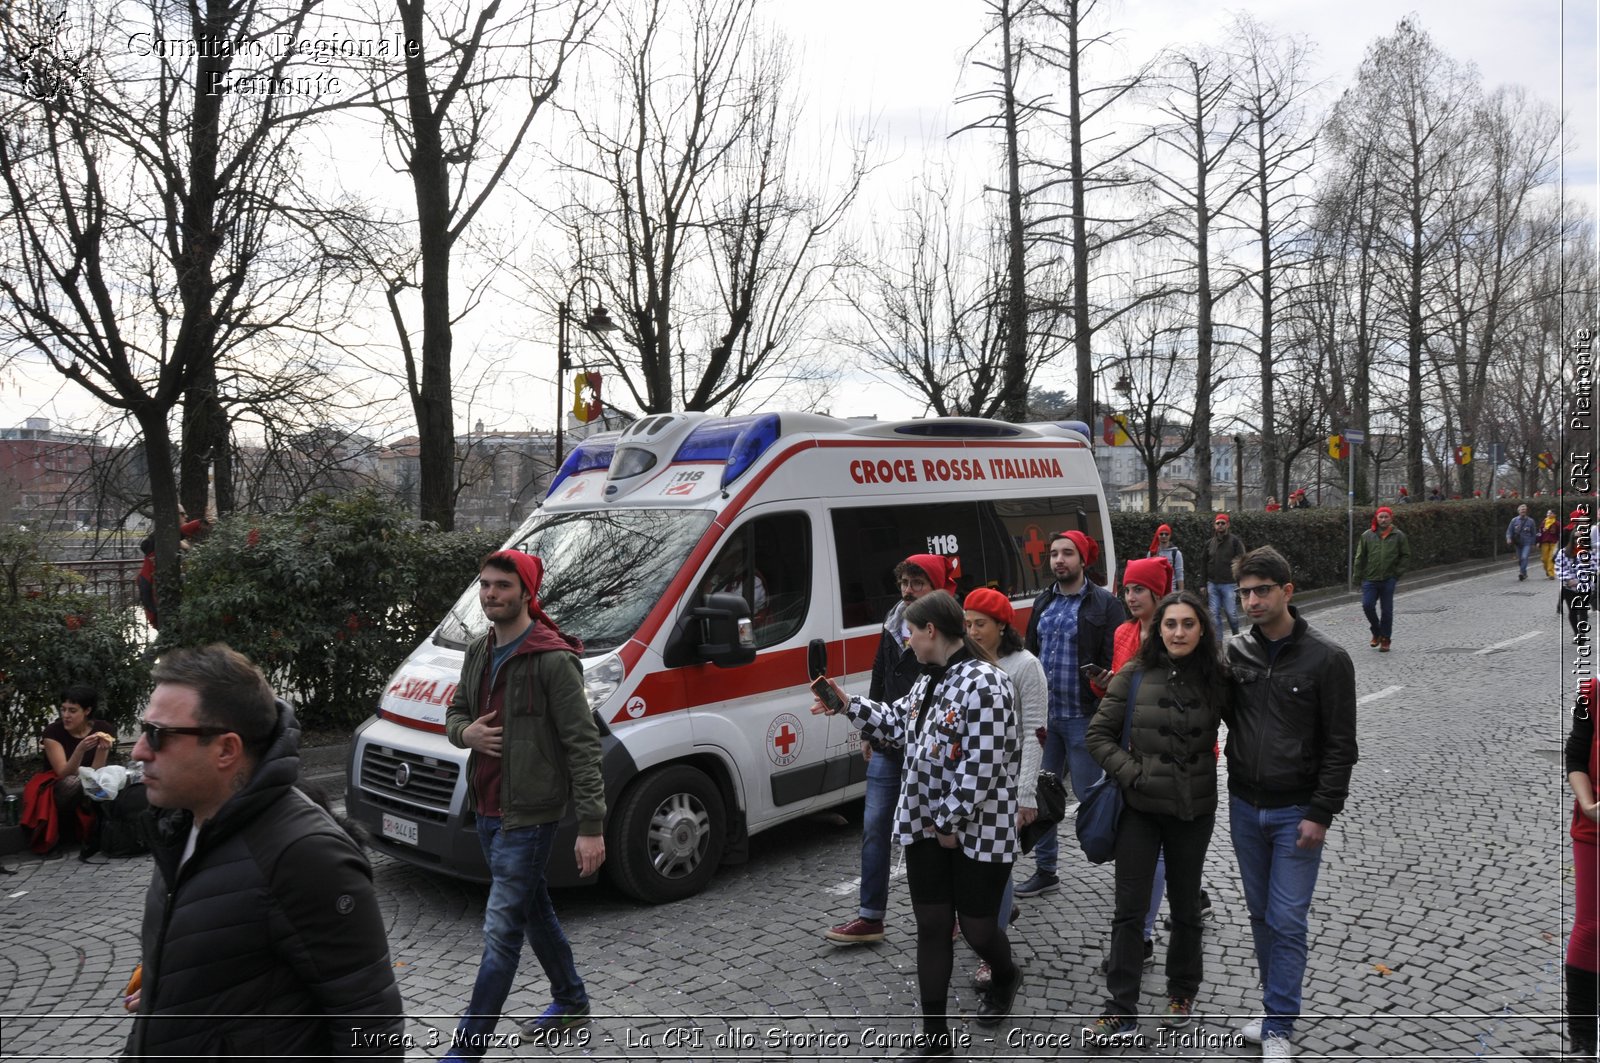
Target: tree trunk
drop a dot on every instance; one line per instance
(1014, 374)
(1203, 323)
(431, 399)
(1082, 331)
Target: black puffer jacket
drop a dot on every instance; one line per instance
(269, 940)
(1172, 769)
(1292, 740)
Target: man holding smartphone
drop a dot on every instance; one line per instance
(894, 672)
(1071, 631)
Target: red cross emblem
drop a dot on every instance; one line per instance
(1034, 546)
(785, 739)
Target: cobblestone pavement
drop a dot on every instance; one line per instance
(1437, 931)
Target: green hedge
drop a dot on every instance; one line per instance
(1316, 540)
(54, 633)
(328, 598)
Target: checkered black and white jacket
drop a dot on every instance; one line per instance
(961, 762)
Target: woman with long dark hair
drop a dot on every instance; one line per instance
(957, 813)
(1168, 778)
(1575, 568)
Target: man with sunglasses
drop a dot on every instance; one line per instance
(1291, 749)
(262, 933)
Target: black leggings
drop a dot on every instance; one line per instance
(945, 883)
(1577, 603)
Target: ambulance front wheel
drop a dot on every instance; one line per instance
(669, 832)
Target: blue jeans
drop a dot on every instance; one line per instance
(1524, 551)
(877, 830)
(1224, 599)
(1278, 882)
(1063, 747)
(518, 906)
(1379, 593)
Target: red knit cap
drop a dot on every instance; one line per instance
(1155, 540)
(991, 603)
(1380, 509)
(939, 570)
(530, 570)
(1152, 573)
(1087, 549)
(1223, 517)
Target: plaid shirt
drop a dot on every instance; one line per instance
(1058, 649)
(1576, 572)
(961, 763)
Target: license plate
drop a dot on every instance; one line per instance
(401, 830)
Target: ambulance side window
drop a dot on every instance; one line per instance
(768, 562)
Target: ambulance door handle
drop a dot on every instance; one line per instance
(817, 658)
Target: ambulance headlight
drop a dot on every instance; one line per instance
(602, 680)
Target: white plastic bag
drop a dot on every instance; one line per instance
(104, 784)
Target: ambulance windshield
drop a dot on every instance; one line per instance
(604, 571)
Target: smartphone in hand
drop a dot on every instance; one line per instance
(825, 693)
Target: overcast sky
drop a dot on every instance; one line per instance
(896, 65)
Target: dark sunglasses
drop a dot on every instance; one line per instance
(155, 733)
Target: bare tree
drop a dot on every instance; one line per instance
(686, 205)
(1158, 374)
(1408, 112)
(1201, 132)
(931, 307)
(1270, 90)
(151, 201)
(1096, 171)
(457, 126)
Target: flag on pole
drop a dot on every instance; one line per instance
(1463, 455)
(1115, 429)
(1547, 460)
(1338, 447)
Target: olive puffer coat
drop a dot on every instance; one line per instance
(1170, 768)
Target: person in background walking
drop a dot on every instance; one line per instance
(1521, 534)
(1549, 537)
(1161, 546)
(1583, 947)
(1222, 550)
(1382, 557)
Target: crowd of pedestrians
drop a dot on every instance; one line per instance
(1137, 689)
(964, 717)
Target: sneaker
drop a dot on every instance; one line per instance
(1179, 1013)
(1109, 1030)
(557, 1017)
(1384, 647)
(856, 932)
(1251, 1031)
(1037, 883)
(1277, 1048)
(982, 976)
(1149, 957)
(1374, 642)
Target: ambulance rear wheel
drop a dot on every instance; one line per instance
(669, 834)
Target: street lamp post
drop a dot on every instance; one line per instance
(595, 321)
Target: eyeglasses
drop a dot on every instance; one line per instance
(155, 733)
(1260, 590)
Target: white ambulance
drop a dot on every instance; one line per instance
(706, 562)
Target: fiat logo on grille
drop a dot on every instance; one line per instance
(402, 775)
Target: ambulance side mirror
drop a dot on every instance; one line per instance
(727, 637)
